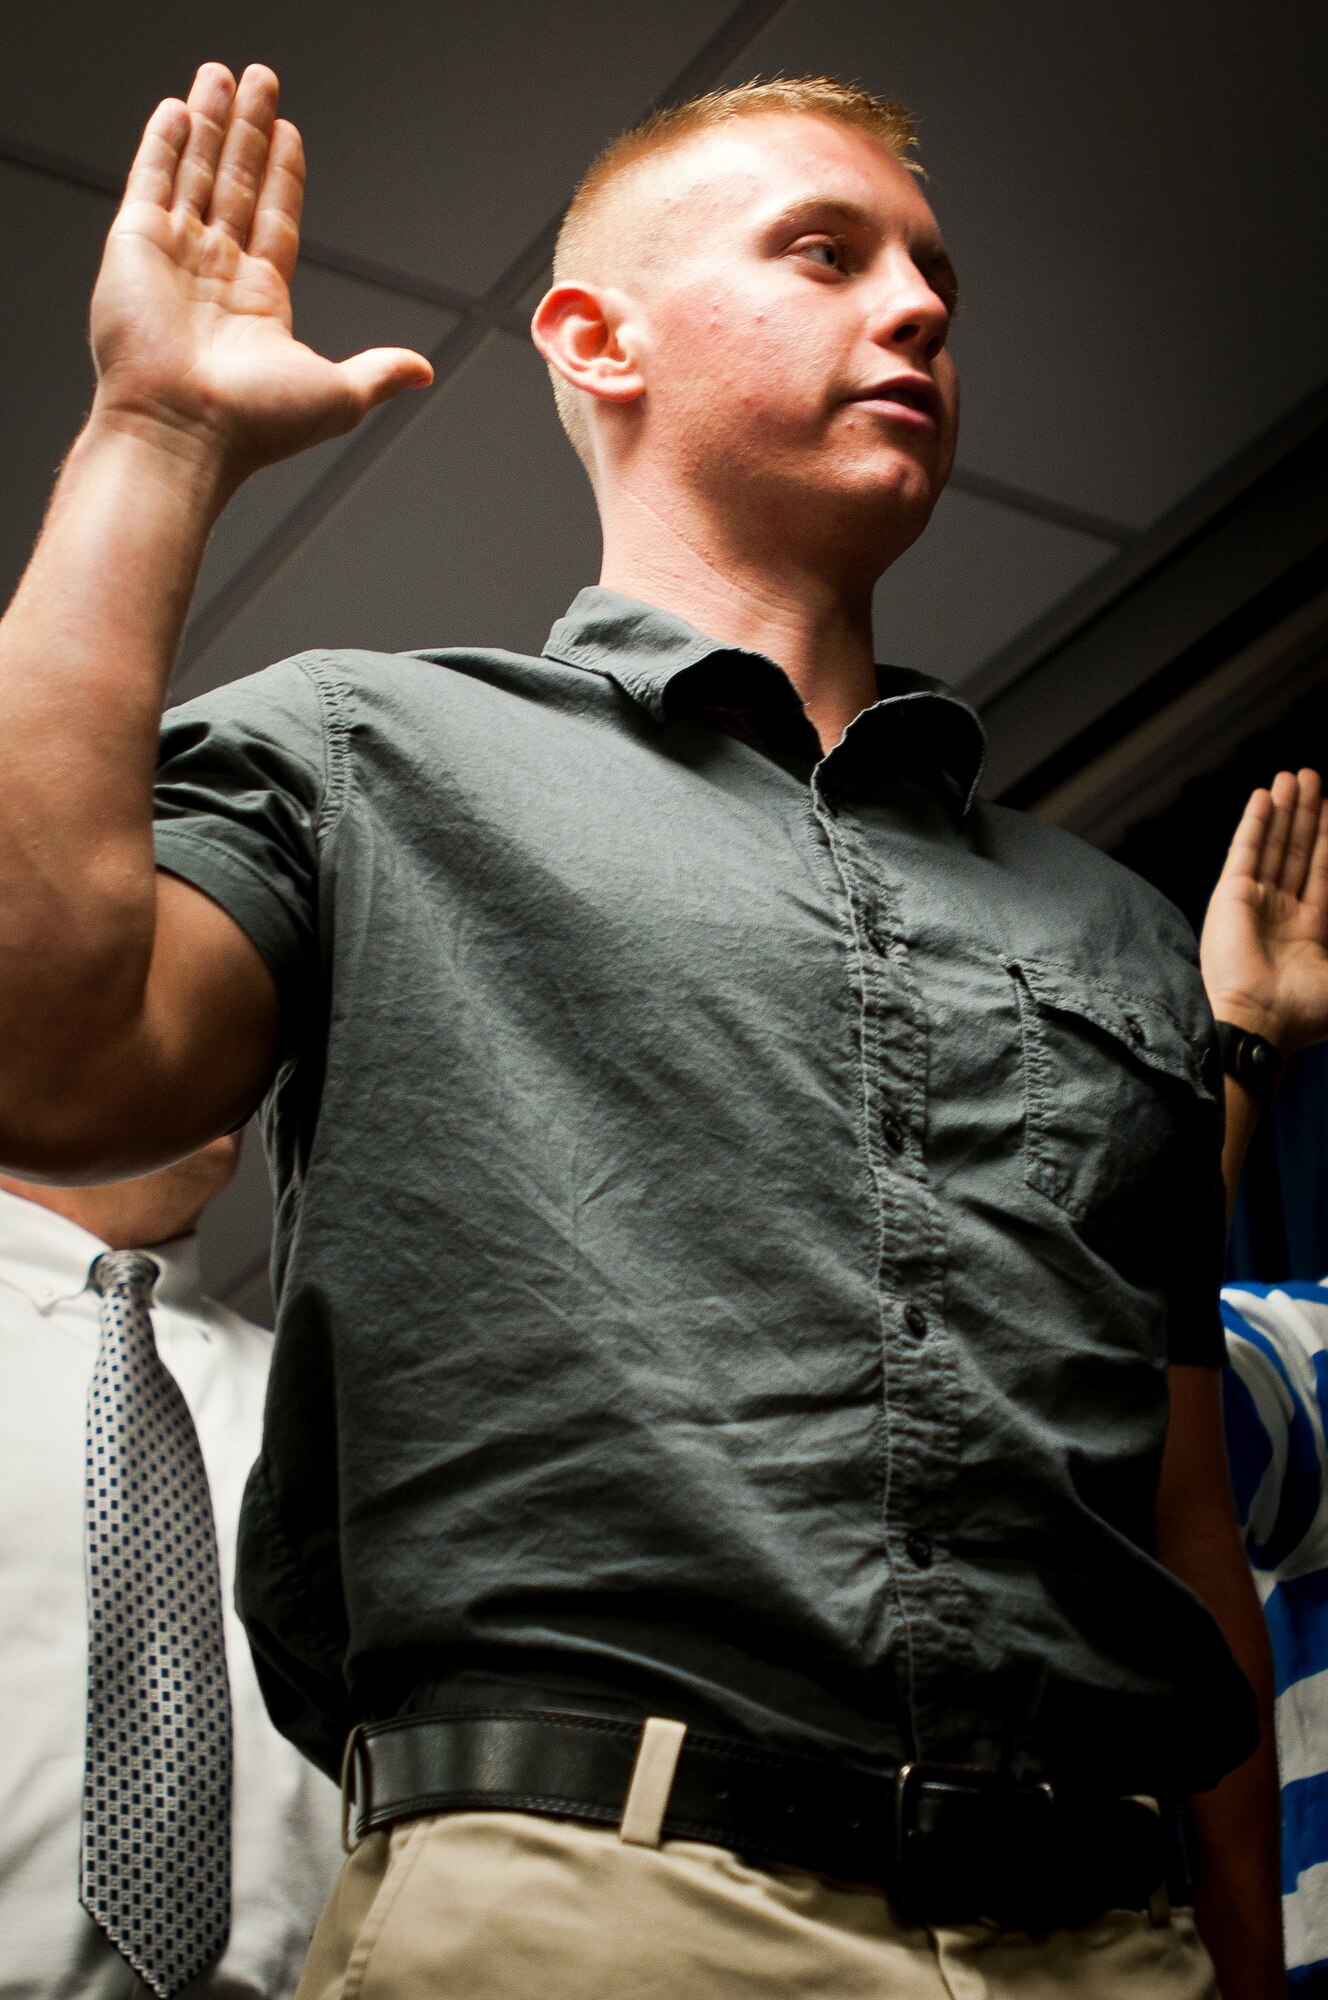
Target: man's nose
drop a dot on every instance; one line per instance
(909, 316)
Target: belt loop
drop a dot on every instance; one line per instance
(349, 1772)
(1159, 1903)
(647, 1800)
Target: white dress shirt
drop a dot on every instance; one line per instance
(286, 1825)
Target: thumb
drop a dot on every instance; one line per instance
(381, 372)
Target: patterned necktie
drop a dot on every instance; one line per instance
(156, 1855)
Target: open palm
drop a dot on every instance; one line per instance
(1265, 938)
(191, 317)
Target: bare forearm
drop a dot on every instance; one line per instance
(1242, 1118)
(1238, 1833)
(1239, 1920)
(1239, 1904)
(85, 651)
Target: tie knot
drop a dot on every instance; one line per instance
(125, 1270)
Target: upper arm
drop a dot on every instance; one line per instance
(211, 1024)
(239, 801)
(193, 1063)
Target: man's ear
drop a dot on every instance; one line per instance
(587, 333)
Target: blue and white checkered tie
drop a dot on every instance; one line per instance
(156, 1852)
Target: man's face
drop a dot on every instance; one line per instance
(794, 313)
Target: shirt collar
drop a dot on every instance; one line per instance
(48, 1258)
(646, 651)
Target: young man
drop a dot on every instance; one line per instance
(1265, 958)
(729, 1241)
(281, 1836)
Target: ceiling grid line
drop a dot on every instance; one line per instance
(1002, 494)
(321, 256)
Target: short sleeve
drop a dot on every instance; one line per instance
(1197, 1231)
(241, 795)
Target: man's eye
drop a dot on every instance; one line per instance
(825, 251)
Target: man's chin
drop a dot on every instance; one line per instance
(894, 503)
(909, 476)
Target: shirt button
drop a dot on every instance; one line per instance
(915, 1319)
(895, 1135)
(919, 1550)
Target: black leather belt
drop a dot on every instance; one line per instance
(949, 1844)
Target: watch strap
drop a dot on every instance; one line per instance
(1254, 1062)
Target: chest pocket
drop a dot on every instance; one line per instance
(1117, 1099)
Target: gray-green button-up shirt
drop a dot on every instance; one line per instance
(735, 1208)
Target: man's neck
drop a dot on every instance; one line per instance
(813, 625)
(118, 1214)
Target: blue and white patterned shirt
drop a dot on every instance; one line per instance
(1277, 1420)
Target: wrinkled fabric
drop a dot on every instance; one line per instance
(735, 1208)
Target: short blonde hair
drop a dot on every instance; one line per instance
(889, 123)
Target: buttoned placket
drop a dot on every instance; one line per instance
(919, 1391)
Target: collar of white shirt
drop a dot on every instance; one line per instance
(48, 1258)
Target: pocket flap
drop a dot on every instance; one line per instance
(1144, 1027)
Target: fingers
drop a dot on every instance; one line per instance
(1281, 841)
(242, 165)
(1284, 794)
(275, 230)
(156, 163)
(382, 372)
(1246, 849)
(213, 156)
(1316, 879)
(1304, 830)
(210, 98)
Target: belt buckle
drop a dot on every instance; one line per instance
(971, 1843)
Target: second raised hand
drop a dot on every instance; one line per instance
(1265, 938)
(191, 316)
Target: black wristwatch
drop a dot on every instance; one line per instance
(1251, 1060)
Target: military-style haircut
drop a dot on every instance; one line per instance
(890, 124)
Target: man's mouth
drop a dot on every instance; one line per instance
(914, 398)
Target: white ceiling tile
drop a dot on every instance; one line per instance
(1137, 200)
(978, 576)
(441, 138)
(476, 526)
(53, 233)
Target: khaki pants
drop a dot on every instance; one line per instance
(507, 1906)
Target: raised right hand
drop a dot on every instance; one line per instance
(191, 316)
